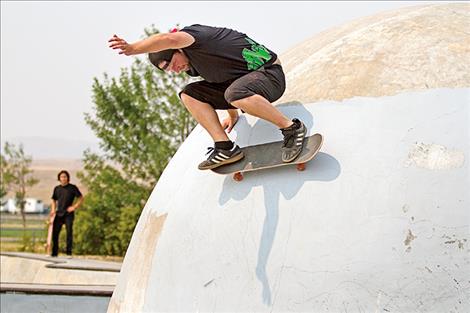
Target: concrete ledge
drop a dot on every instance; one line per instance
(78, 290)
(71, 264)
(38, 269)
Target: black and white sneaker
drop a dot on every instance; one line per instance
(293, 140)
(219, 157)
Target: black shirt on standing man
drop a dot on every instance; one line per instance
(65, 195)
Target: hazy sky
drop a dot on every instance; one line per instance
(51, 51)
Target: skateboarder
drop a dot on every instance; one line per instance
(238, 73)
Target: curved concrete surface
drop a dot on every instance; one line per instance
(379, 221)
(414, 48)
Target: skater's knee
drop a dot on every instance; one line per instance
(187, 98)
(244, 103)
(237, 94)
(185, 94)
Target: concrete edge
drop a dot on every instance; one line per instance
(75, 290)
(82, 267)
(70, 264)
(33, 257)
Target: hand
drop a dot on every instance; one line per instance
(229, 122)
(121, 44)
(70, 209)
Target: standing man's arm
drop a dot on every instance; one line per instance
(76, 205)
(154, 43)
(53, 208)
(53, 203)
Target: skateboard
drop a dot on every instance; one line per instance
(48, 245)
(268, 155)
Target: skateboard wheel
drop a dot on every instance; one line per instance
(301, 166)
(238, 176)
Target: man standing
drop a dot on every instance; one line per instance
(63, 208)
(238, 73)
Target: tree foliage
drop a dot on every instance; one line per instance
(17, 175)
(105, 225)
(140, 123)
(3, 183)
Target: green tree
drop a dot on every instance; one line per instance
(105, 223)
(140, 122)
(17, 175)
(3, 183)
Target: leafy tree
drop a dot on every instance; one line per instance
(17, 175)
(3, 184)
(140, 122)
(111, 210)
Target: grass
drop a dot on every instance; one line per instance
(19, 232)
(11, 233)
(14, 238)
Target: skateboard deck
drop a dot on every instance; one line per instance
(48, 245)
(268, 155)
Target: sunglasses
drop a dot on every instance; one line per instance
(163, 65)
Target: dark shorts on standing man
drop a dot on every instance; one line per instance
(268, 82)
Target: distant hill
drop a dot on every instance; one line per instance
(46, 171)
(51, 155)
(53, 148)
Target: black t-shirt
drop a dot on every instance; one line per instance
(65, 195)
(222, 54)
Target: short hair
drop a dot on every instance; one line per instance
(63, 172)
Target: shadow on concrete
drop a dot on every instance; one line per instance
(285, 181)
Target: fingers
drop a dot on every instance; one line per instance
(114, 38)
(118, 43)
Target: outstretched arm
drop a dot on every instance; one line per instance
(154, 43)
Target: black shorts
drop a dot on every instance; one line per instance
(267, 82)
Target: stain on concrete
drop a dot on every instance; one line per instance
(434, 157)
(453, 240)
(409, 238)
(131, 300)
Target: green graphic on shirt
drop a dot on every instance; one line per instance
(257, 56)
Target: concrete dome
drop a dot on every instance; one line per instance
(379, 220)
(414, 48)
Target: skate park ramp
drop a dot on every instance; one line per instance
(378, 222)
(33, 273)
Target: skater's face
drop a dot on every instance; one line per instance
(64, 180)
(179, 63)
